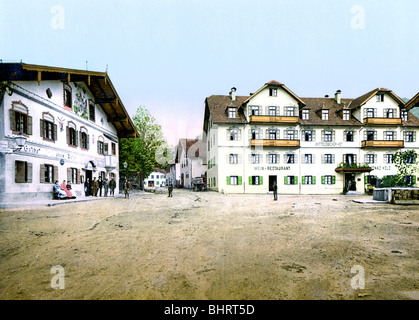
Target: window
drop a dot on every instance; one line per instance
(255, 180)
(290, 111)
(389, 135)
(100, 147)
(48, 173)
(72, 134)
(84, 140)
(389, 158)
(20, 121)
(308, 180)
(92, 114)
(255, 158)
(290, 134)
(308, 158)
(328, 179)
(289, 158)
(370, 113)
(234, 180)
(272, 111)
(67, 97)
(73, 175)
(272, 134)
(23, 172)
(273, 158)
(255, 134)
(105, 148)
(48, 129)
(325, 114)
(370, 158)
(346, 115)
(254, 110)
(349, 136)
(409, 136)
(404, 115)
(349, 158)
(410, 159)
(308, 136)
(370, 135)
(232, 113)
(390, 113)
(233, 134)
(328, 158)
(273, 92)
(305, 115)
(379, 97)
(290, 180)
(234, 159)
(113, 148)
(328, 137)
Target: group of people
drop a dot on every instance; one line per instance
(95, 187)
(63, 191)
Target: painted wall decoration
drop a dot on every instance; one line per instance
(80, 106)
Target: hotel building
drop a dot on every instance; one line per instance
(324, 145)
(71, 121)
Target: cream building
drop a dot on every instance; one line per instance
(324, 145)
(71, 121)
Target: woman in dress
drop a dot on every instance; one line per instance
(68, 192)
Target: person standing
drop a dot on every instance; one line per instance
(93, 187)
(87, 187)
(126, 188)
(100, 186)
(105, 187)
(170, 188)
(275, 188)
(112, 186)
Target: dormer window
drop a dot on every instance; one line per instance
(346, 115)
(325, 114)
(273, 92)
(67, 97)
(404, 115)
(232, 113)
(305, 115)
(380, 97)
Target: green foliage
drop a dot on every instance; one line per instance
(147, 152)
(406, 164)
(353, 165)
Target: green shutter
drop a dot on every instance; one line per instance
(414, 180)
(260, 180)
(366, 179)
(333, 179)
(323, 180)
(303, 180)
(250, 180)
(285, 180)
(313, 180)
(295, 180)
(239, 181)
(228, 181)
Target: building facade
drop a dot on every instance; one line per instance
(324, 145)
(191, 157)
(71, 120)
(156, 179)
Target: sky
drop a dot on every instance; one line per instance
(170, 55)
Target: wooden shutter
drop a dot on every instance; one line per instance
(239, 180)
(12, 120)
(295, 180)
(29, 172)
(250, 180)
(42, 173)
(55, 176)
(69, 174)
(29, 125)
(313, 180)
(68, 134)
(323, 180)
(41, 128)
(88, 142)
(333, 179)
(78, 176)
(260, 180)
(285, 180)
(55, 133)
(303, 180)
(228, 180)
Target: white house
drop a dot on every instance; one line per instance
(191, 157)
(305, 145)
(71, 121)
(156, 179)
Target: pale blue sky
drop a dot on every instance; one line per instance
(170, 55)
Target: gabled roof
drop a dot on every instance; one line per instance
(98, 83)
(194, 148)
(358, 102)
(277, 84)
(414, 102)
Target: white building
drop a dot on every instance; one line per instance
(173, 176)
(156, 179)
(304, 145)
(71, 119)
(191, 156)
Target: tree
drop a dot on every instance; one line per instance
(147, 152)
(405, 162)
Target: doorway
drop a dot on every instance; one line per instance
(350, 182)
(272, 179)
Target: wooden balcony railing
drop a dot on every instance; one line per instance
(274, 119)
(398, 144)
(279, 143)
(383, 121)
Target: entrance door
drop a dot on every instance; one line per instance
(89, 174)
(350, 182)
(272, 179)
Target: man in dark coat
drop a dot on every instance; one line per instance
(275, 188)
(170, 188)
(112, 186)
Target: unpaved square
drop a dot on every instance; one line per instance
(205, 245)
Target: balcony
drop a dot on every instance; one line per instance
(397, 144)
(383, 121)
(278, 143)
(353, 168)
(273, 119)
(110, 162)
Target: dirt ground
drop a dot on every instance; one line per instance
(205, 245)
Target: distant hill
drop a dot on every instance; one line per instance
(415, 112)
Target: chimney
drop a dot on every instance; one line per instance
(233, 94)
(337, 96)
